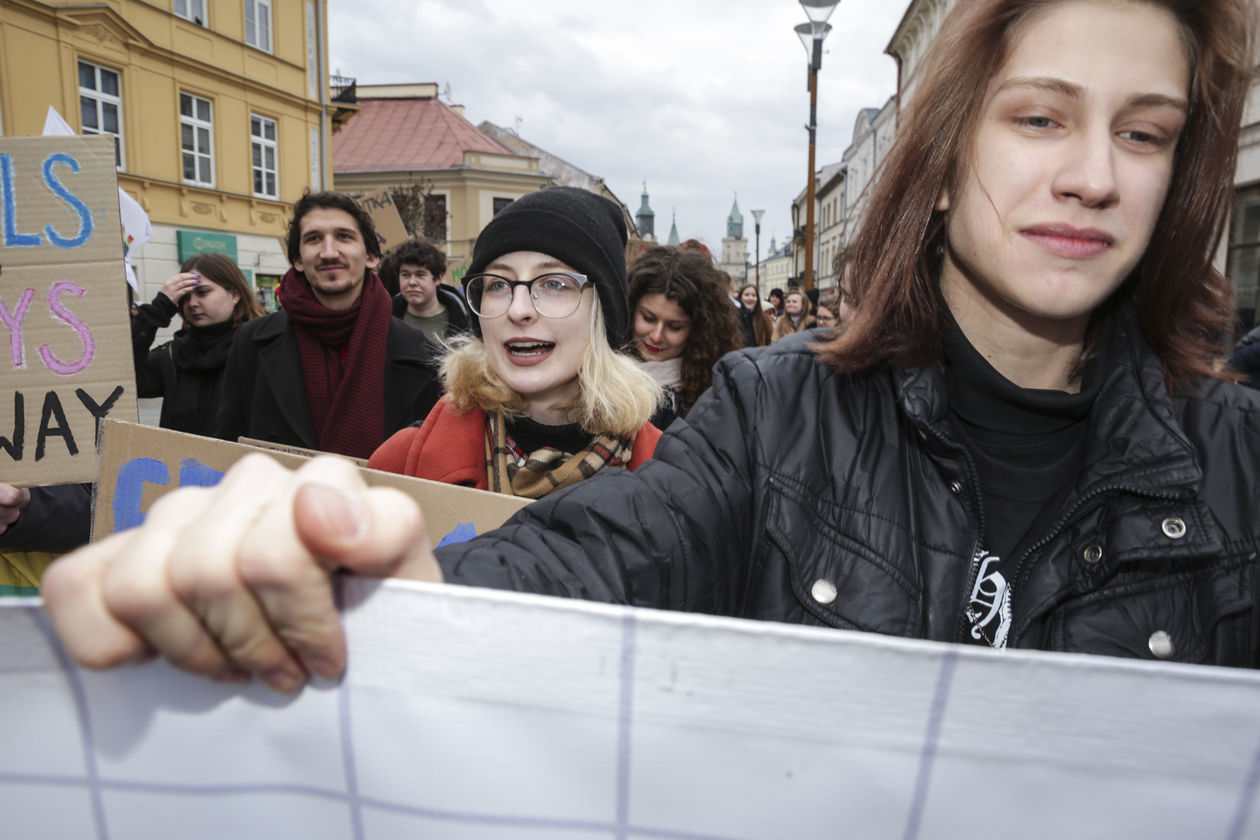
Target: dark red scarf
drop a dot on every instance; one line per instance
(342, 353)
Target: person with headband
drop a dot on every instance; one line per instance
(539, 398)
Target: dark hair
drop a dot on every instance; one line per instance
(417, 252)
(760, 318)
(1184, 305)
(775, 291)
(220, 269)
(330, 201)
(688, 277)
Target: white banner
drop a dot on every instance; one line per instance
(472, 714)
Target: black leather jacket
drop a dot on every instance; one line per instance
(794, 493)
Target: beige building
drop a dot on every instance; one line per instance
(220, 112)
(404, 134)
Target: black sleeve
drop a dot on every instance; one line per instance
(58, 518)
(149, 318)
(233, 405)
(675, 534)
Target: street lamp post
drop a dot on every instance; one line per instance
(812, 35)
(757, 246)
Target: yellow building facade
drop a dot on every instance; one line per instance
(221, 112)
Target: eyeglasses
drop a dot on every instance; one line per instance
(554, 295)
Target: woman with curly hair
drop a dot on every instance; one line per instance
(762, 325)
(682, 323)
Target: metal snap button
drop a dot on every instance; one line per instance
(955, 487)
(1093, 554)
(1161, 645)
(1174, 528)
(824, 591)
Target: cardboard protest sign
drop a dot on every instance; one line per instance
(140, 464)
(389, 225)
(63, 305)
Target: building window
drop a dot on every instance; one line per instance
(196, 134)
(1244, 256)
(100, 104)
(500, 203)
(435, 217)
(263, 147)
(258, 24)
(194, 10)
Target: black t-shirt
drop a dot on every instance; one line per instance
(1027, 445)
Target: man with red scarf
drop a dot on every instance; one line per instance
(333, 370)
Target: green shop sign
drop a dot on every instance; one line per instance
(193, 242)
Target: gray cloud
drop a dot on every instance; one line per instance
(700, 98)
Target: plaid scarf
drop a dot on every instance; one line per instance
(342, 353)
(535, 474)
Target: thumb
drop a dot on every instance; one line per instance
(377, 531)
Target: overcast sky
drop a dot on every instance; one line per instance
(702, 99)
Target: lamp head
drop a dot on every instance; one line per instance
(812, 35)
(819, 10)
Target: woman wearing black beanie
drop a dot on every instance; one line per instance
(539, 398)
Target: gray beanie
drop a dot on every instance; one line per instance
(577, 227)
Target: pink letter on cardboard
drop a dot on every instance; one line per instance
(13, 320)
(85, 335)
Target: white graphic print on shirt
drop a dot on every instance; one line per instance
(990, 607)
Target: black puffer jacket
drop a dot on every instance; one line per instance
(794, 493)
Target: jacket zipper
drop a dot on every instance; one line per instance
(963, 628)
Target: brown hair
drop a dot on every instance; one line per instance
(223, 271)
(329, 200)
(783, 327)
(1184, 305)
(688, 277)
(760, 318)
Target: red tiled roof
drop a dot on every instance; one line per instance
(404, 134)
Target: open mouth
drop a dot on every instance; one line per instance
(529, 349)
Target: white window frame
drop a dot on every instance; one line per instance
(193, 10)
(259, 22)
(201, 154)
(259, 147)
(100, 100)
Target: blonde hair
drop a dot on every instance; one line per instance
(615, 397)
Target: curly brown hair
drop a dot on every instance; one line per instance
(690, 279)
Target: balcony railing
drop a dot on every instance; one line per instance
(343, 89)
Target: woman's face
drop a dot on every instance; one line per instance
(537, 357)
(661, 328)
(748, 297)
(792, 304)
(209, 303)
(1071, 162)
(825, 317)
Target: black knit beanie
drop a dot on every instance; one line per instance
(581, 229)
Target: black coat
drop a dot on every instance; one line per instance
(794, 493)
(189, 396)
(264, 396)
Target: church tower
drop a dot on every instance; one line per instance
(646, 219)
(735, 246)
